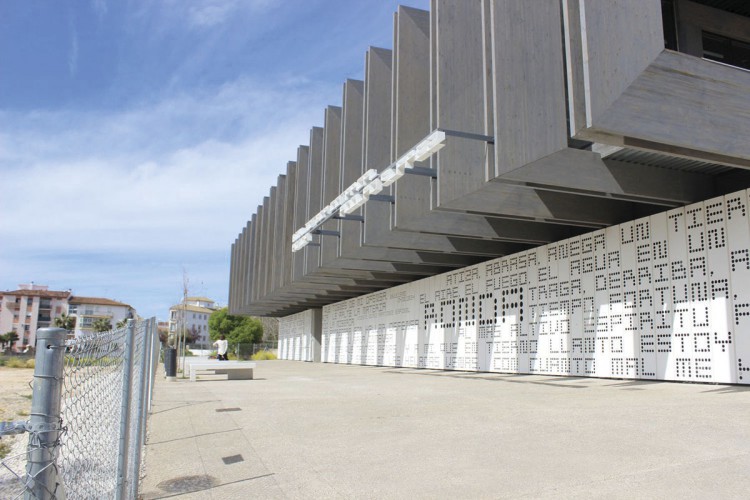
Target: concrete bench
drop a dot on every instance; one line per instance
(234, 370)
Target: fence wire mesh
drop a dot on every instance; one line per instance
(246, 350)
(87, 441)
(15, 483)
(92, 397)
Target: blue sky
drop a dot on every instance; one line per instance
(137, 137)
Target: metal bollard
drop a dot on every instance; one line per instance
(42, 479)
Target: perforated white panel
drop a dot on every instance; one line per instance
(295, 336)
(738, 241)
(662, 297)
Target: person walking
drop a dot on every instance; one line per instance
(221, 348)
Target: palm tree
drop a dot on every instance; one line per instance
(121, 324)
(66, 322)
(10, 338)
(102, 325)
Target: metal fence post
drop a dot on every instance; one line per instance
(140, 428)
(42, 480)
(121, 492)
(155, 353)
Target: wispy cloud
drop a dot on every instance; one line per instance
(73, 52)
(100, 8)
(166, 180)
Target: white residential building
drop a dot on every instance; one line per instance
(87, 310)
(29, 308)
(193, 312)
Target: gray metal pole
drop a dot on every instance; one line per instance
(149, 330)
(42, 480)
(121, 491)
(155, 352)
(140, 429)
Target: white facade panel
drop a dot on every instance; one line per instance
(663, 297)
(738, 242)
(295, 336)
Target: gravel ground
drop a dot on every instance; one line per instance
(15, 404)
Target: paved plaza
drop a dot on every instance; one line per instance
(312, 430)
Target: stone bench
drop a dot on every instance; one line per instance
(234, 370)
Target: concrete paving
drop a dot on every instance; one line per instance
(311, 430)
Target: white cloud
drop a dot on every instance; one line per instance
(185, 172)
(100, 8)
(73, 53)
(208, 13)
(115, 204)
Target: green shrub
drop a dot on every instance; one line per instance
(263, 355)
(4, 449)
(15, 363)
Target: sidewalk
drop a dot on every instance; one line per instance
(311, 430)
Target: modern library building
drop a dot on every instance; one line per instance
(551, 187)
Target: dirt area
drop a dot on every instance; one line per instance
(15, 393)
(15, 403)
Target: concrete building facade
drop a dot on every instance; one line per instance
(535, 187)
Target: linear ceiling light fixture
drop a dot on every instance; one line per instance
(371, 183)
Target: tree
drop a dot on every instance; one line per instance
(191, 334)
(236, 329)
(102, 325)
(66, 322)
(122, 323)
(10, 338)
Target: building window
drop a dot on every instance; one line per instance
(726, 50)
(72, 309)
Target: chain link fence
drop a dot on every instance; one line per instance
(246, 351)
(87, 425)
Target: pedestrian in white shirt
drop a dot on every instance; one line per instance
(221, 348)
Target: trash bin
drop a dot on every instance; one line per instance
(170, 362)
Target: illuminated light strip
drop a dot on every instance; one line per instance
(371, 183)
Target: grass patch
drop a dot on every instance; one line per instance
(13, 361)
(263, 355)
(23, 413)
(4, 449)
(17, 362)
(27, 396)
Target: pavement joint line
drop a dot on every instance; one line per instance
(186, 405)
(216, 486)
(193, 437)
